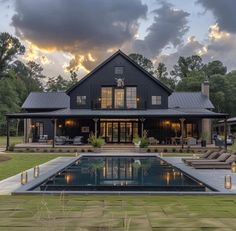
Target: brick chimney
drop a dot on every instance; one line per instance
(205, 88)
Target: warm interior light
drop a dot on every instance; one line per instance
(70, 123)
(228, 182)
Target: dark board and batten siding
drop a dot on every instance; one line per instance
(105, 76)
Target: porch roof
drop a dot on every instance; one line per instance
(162, 113)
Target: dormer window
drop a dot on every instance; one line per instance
(119, 70)
(81, 99)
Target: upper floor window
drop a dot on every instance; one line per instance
(81, 99)
(119, 98)
(106, 97)
(119, 70)
(131, 97)
(156, 100)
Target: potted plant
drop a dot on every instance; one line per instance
(204, 137)
(143, 144)
(136, 141)
(96, 142)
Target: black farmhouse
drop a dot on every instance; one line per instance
(118, 100)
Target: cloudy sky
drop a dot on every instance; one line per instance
(78, 34)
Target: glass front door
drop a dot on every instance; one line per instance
(118, 132)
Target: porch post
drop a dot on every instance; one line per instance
(54, 132)
(142, 121)
(8, 134)
(225, 132)
(182, 131)
(95, 127)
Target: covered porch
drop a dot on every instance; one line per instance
(71, 127)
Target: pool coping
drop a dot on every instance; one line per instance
(23, 190)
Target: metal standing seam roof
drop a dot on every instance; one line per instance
(189, 100)
(203, 113)
(46, 100)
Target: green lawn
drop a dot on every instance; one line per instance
(21, 162)
(13, 140)
(164, 213)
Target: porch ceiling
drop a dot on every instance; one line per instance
(161, 113)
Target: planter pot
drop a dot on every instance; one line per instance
(142, 150)
(203, 143)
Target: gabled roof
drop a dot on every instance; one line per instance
(189, 100)
(119, 52)
(46, 100)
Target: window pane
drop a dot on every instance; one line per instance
(119, 70)
(119, 98)
(81, 99)
(131, 97)
(106, 100)
(156, 100)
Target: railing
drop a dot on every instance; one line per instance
(96, 105)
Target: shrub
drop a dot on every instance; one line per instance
(144, 142)
(89, 150)
(82, 150)
(96, 142)
(155, 150)
(165, 150)
(180, 151)
(173, 150)
(148, 150)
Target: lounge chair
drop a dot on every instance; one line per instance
(152, 141)
(212, 156)
(203, 156)
(217, 165)
(221, 158)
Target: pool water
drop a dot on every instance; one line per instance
(120, 173)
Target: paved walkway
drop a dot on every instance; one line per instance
(211, 177)
(11, 184)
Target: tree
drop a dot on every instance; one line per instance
(185, 66)
(57, 84)
(10, 47)
(144, 62)
(161, 73)
(35, 72)
(215, 67)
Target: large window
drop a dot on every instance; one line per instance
(131, 97)
(106, 100)
(119, 98)
(156, 100)
(81, 99)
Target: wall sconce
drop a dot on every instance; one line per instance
(36, 171)
(138, 99)
(60, 125)
(32, 126)
(228, 182)
(24, 178)
(233, 167)
(99, 99)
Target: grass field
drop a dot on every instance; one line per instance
(21, 162)
(13, 140)
(164, 213)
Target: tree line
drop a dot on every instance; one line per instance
(18, 79)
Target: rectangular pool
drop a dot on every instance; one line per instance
(120, 173)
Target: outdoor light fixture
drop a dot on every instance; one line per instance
(24, 178)
(233, 167)
(36, 171)
(76, 153)
(99, 99)
(161, 154)
(228, 182)
(60, 126)
(138, 99)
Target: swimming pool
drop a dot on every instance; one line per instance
(121, 173)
